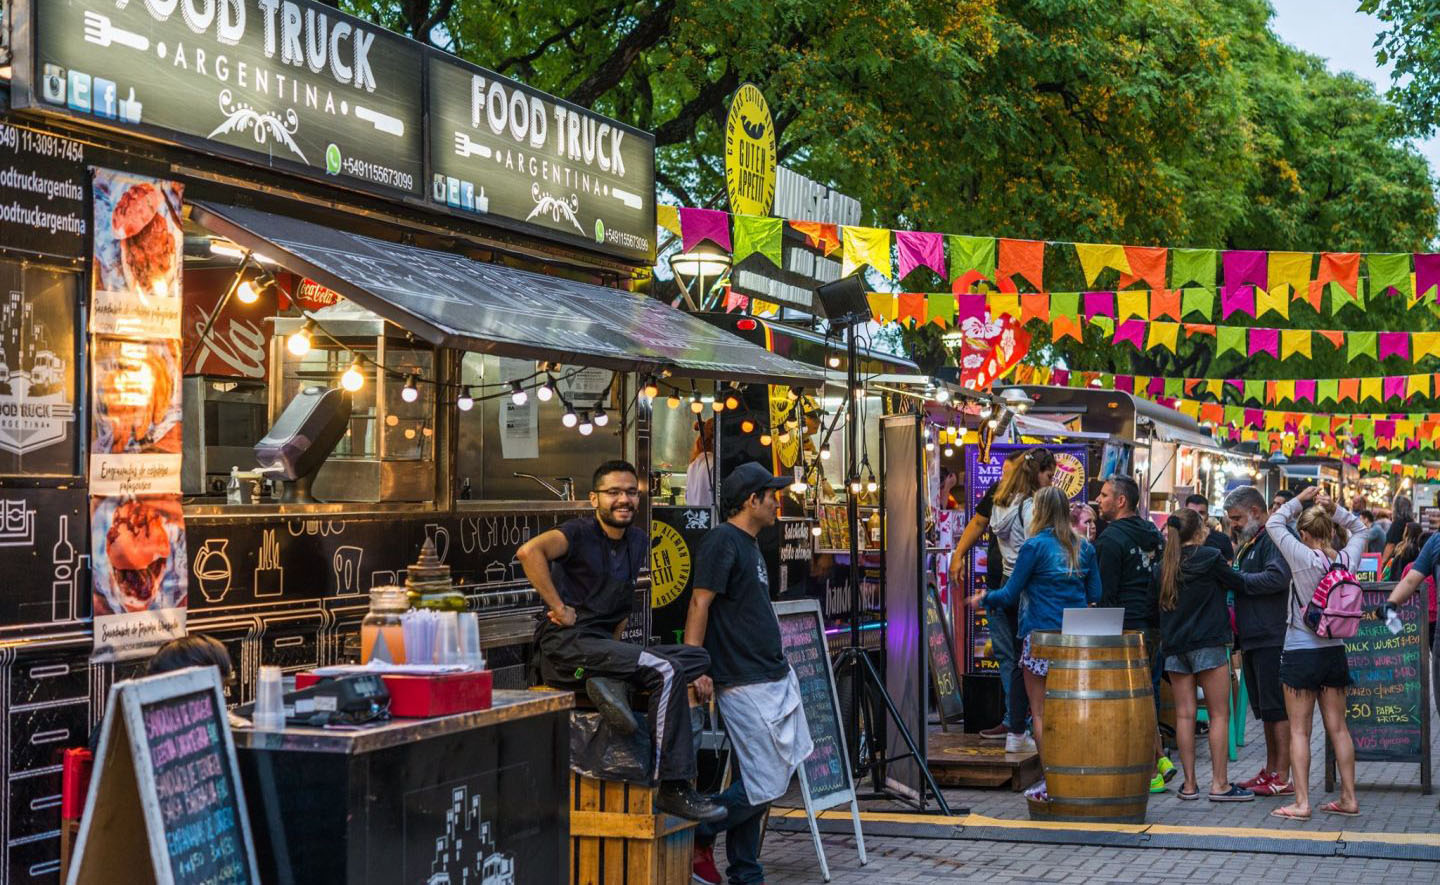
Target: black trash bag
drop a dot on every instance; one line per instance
(597, 751)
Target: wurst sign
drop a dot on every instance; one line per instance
(291, 83)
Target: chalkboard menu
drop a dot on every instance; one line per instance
(1388, 704)
(165, 801)
(802, 635)
(942, 661)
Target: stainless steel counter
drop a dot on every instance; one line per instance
(507, 706)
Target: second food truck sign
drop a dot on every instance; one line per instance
(300, 87)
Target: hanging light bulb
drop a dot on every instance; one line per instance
(948, 452)
(299, 341)
(929, 445)
(673, 401)
(585, 428)
(464, 402)
(246, 293)
(718, 405)
(569, 419)
(353, 379)
(600, 419)
(747, 426)
(799, 486)
(855, 485)
(834, 361)
(695, 405)
(825, 452)
(409, 393)
(942, 395)
(993, 423)
(815, 531)
(518, 396)
(871, 485)
(765, 439)
(784, 437)
(732, 401)
(651, 389)
(546, 391)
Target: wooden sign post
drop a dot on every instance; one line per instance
(165, 802)
(1388, 705)
(825, 779)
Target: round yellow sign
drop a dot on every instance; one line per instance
(669, 564)
(750, 153)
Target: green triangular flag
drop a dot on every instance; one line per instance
(1319, 423)
(1201, 301)
(1389, 269)
(1340, 298)
(1328, 391)
(758, 233)
(1234, 416)
(1360, 344)
(1105, 325)
(1192, 266)
(1229, 338)
(971, 253)
(1255, 391)
(1065, 304)
(1363, 428)
(1175, 387)
(941, 305)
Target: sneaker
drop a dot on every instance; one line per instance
(702, 868)
(1256, 782)
(1157, 784)
(1019, 743)
(680, 799)
(1037, 792)
(611, 698)
(1165, 768)
(1234, 794)
(1273, 787)
(998, 733)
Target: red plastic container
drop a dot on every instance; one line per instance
(420, 697)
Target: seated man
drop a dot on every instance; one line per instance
(585, 571)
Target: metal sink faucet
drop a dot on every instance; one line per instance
(566, 490)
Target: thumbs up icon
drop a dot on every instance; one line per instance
(130, 108)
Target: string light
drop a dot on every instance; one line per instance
(464, 402)
(246, 293)
(569, 419)
(546, 391)
(747, 426)
(600, 419)
(673, 401)
(718, 405)
(871, 485)
(651, 389)
(299, 341)
(732, 401)
(409, 393)
(518, 396)
(825, 452)
(765, 439)
(585, 428)
(695, 405)
(855, 485)
(834, 361)
(947, 451)
(353, 379)
(815, 531)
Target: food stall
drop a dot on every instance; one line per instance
(210, 236)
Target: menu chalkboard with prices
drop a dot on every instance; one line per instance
(165, 797)
(825, 779)
(1388, 704)
(942, 661)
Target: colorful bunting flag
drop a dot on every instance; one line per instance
(668, 217)
(865, 245)
(1192, 267)
(910, 309)
(1034, 306)
(940, 309)
(1132, 304)
(1165, 303)
(1147, 263)
(1394, 344)
(1427, 275)
(698, 225)
(1275, 299)
(1294, 341)
(1360, 344)
(1265, 341)
(971, 254)
(1025, 258)
(1099, 304)
(1339, 267)
(1201, 301)
(1228, 338)
(762, 234)
(882, 307)
(1131, 331)
(916, 249)
(1245, 268)
(1389, 270)
(1163, 335)
(1290, 269)
(1096, 257)
(1237, 298)
(822, 236)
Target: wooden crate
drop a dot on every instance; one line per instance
(617, 837)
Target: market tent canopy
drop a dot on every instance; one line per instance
(453, 301)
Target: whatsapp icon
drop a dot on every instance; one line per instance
(599, 231)
(332, 159)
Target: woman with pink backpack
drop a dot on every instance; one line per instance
(1325, 607)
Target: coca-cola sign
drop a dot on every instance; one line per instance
(238, 343)
(313, 296)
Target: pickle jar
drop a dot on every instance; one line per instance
(381, 636)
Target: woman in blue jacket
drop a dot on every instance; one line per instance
(1054, 570)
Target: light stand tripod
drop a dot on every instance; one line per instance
(853, 660)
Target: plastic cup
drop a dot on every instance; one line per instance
(447, 639)
(470, 653)
(270, 700)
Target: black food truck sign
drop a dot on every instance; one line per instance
(291, 83)
(502, 148)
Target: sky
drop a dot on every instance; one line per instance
(1345, 38)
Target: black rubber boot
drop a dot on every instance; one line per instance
(680, 799)
(611, 698)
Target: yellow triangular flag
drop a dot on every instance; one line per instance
(1417, 385)
(1371, 389)
(1274, 420)
(1277, 299)
(1289, 269)
(1423, 344)
(1285, 391)
(1005, 305)
(668, 217)
(1404, 429)
(1095, 257)
(1132, 304)
(882, 307)
(865, 245)
(1294, 341)
(1164, 335)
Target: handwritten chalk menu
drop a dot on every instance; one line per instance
(942, 661)
(165, 796)
(1388, 705)
(802, 636)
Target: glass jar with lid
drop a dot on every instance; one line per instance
(381, 636)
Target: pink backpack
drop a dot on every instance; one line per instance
(1337, 605)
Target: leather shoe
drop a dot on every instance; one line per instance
(611, 698)
(680, 799)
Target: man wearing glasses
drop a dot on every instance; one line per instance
(585, 571)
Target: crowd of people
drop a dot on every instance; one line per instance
(1201, 593)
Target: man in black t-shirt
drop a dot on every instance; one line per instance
(731, 615)
(1216, 539)
(585, 571)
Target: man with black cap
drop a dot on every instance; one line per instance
(759, 697)
(585, 571)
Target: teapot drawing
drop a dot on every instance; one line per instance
(212, 569)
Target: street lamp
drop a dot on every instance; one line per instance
(705, 260)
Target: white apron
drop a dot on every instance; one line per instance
(766, 724)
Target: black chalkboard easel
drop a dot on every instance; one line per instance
(943, 678)
(165, 802)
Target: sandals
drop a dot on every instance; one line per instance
(1285, 812)
(1191, 796)
(1334, 808)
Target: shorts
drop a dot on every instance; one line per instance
(1198, 660)
(1311, 669)
(1038, 666)
(1262, 681)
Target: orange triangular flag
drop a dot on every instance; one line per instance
(1193, 329)
(1023, 257)
(912, 307)
(819, 234)
(1349, 389)
(1338, 267)
(1146, 263)
(1163, 302)
(1335, 337)
(1034, 306)
(1066, 327)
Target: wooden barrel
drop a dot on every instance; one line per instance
(1098, 742)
